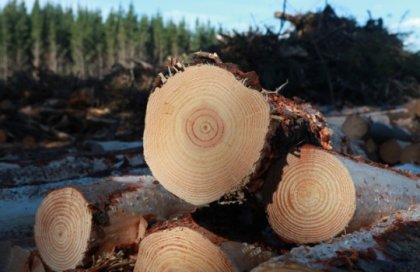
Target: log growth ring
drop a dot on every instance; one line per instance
(63, 227)
(315, 199)
(204, 133)
(180, 249)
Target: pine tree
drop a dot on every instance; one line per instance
(144, 37)
(36, 34)
(4, 46)
(111, 30)
(22, 38)
(157, 39)
(121, 37)
(131, 29)
(183, 37)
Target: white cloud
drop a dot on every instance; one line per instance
(411, 23)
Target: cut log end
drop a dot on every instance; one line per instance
(63, 228)
(315, 199)
(180, 248)
(355, 127)
(201, 120)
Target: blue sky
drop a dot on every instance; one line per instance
(402, 15)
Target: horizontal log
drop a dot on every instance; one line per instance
(319, 194)
(392, 244)
(75, 225)
(186, 246)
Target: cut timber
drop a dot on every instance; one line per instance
(206, 132)
(392, 244)
(322, 193)
(391, 150)
(355, 127)
(414, 107)
(200, 121)
(186, 246)
(74, 225)
(411, 154)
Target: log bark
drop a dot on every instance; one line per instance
(207, 116)
(319, 194)
(184, 245)
(75, 225)
(391, 244)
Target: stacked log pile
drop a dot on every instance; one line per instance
(214, 139)
(386, 136)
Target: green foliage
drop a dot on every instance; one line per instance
(85, 44)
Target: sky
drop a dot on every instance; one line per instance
(399, 16)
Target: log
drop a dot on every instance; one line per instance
(390, 151)
(376, 125)
(413, 107)
(319, 194)
(206, 117)
(185, 246)
(355, 127)
(19, 205)
(411, 154)
(75, 225)
(392, 244)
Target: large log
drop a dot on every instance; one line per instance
(392, 244)
(75, 225)
(206, 117)
(185, 246)
(319, 194)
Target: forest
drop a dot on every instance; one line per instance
(86, 44)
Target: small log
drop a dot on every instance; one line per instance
(355, 127)
(185, 246)
(376, 125)
(206, 117)
(75, 225)
(392, 244)
(411, 154)
(322, 194)
(19, 205)
(413, 107)
(390, 151)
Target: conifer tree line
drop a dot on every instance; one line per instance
(85, 44)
